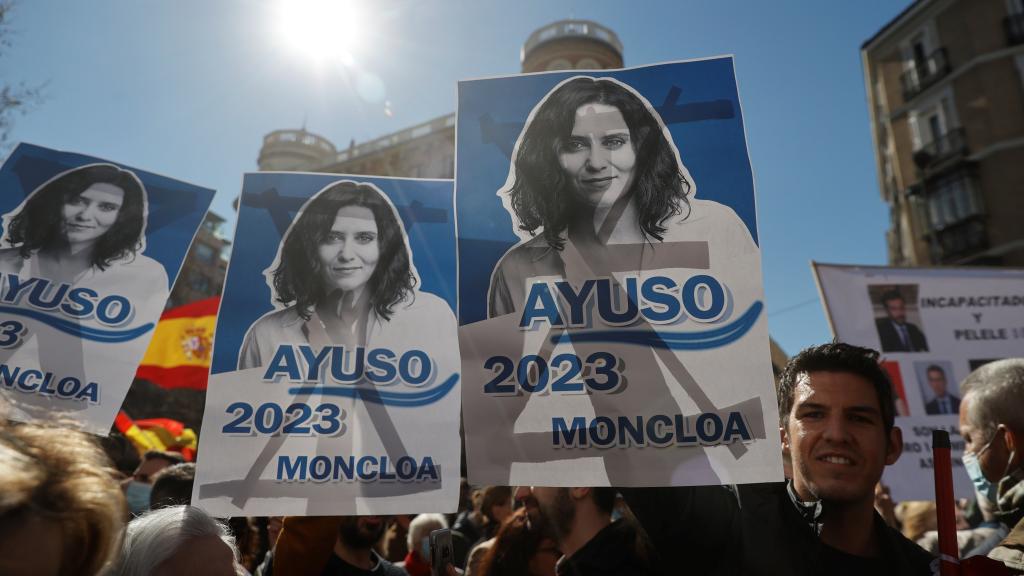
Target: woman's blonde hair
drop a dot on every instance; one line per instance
(61, 475)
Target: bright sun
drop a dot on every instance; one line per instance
(324, 30)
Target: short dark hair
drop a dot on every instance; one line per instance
(604, 498)
(295, 278)
(172, 486)
(172, 457)
(38, 224)
(890, 295)
(540, 194)
(935, 368)
(837, 357)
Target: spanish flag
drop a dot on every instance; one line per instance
(158, 434)
(179, 354)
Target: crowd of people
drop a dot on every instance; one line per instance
(72, 505)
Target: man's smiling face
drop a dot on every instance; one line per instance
(836, 438)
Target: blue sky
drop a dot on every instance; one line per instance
(188, 88)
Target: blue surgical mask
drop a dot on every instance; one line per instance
(137, 494)
(981, 484)
(425, 549)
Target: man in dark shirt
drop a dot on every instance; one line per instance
(944, 402)
(894, 332)
(591, 543)
(837, 425)
(353, 550)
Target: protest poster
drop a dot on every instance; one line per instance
(89, 252)
(334, 387)
(612, 321)
(932, 326)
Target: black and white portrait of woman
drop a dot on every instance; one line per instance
(595, 167)
(597, 190)
(344, 276)
(84, 226)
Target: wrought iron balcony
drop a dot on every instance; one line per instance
(949, 146)
(921, 75)
(1014, 27)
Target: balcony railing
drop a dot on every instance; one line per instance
(959, 242)
(1014, 27)
(935, 154)
(951, 213)
(921, 75)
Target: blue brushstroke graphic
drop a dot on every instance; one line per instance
(76, 329)
(705, 340)
(383, 397)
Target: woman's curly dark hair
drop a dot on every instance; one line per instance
(39, 223)
(540, 194)
(296, 278)
(514, 546)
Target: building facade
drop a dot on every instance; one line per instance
(202, 273)
(945, 91)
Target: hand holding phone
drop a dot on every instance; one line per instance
(441, 554)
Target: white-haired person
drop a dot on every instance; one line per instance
(177, 540)
(417, 561)
(992, 425)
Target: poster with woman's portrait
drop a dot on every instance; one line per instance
(335, 381)
(612, 318)
(88, 253)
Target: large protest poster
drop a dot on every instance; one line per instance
(611, 304)
(334, 387)
(89, 252)
(933, 326)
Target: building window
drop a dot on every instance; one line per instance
(205, 253)
(952, 201)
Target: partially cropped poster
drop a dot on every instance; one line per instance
(335, 382)
(932, 328)
(611, 304)
(89, 252)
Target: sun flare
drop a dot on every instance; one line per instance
(323, 30)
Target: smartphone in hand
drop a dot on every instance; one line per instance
(441, 554)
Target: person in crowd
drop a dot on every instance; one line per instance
(894, 332)
(353, 549)
(992, 426)
(837, 427)
(394, 545)
(467, 529)
(61, 511)
(495, 506)
(521, 547)
(266, 567)
(944, 402)
(172, 486)
(480, 524)
(417, 561)
(176, 540)
(139, 487)
(591, 543)
(916, 517)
